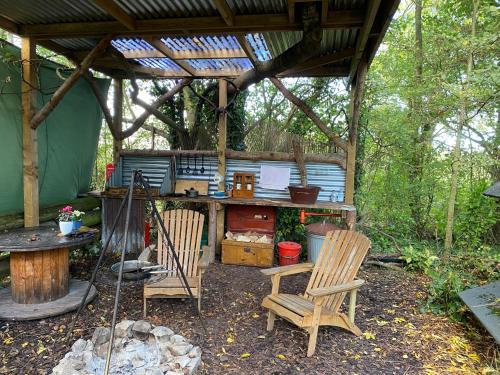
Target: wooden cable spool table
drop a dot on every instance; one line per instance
(39, 269)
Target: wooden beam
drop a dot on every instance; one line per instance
(357, 91)
(340, 19)
(221, 155)
(117, 117)
(185, 55)
(336, 158)
(114, 10)
(8, 25)
(320, 61)
(324, 11)
(364, 33)
(29, 86)
(70, 81)
(225, 11)
(245, 45)
(167, 52)
(291, 11)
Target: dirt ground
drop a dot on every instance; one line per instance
(397, 338)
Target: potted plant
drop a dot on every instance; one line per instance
(77, 219)
(303, 193)
(65, 219)
(69, 220)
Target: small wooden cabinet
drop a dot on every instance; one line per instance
(247, 253)
(243, 185)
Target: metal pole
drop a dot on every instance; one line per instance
(98, 265)
(120, 274)
(166, 236)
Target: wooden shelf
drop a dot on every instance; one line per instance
(251, 202)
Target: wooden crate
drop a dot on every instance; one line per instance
(247, 253)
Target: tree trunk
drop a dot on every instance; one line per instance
(462, 122)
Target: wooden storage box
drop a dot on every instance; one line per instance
(247, 253)
(241, 219)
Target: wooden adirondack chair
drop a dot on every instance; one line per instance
(332, 277)
(185, 229)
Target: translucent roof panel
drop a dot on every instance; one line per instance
(221, 64)
(202, 43)
(131, 44)
(160, 63)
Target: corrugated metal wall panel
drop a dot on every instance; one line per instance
(330, 177)
(150, 9)
(152, 167)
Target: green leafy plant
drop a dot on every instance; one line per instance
(418, 259)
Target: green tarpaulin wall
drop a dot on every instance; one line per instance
(67, 139)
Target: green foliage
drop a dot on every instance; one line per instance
(288, 228)
(418, 259)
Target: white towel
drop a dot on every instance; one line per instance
(274, 178)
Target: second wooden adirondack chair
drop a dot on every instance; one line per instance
(332, 277)
(185, 228)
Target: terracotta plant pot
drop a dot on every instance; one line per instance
(304, 194)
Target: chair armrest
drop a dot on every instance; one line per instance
(288, 270)
(204, 260)
(321, 292)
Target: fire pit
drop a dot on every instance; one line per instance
(139, 348)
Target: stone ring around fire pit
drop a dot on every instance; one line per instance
(139, 348)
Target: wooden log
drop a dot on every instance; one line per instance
(221, 159)
(355, 111)
(42, 114)
(117, 118)
(212, 229)
(12, 221)
(39, 276)
(30, 149)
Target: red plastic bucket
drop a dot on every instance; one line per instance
(288, 253)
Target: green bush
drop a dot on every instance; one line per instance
(418, 259)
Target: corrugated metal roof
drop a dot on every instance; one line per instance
(258, 6)
(150, 9)
(28, 12)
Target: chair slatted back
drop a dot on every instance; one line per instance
(338, 263)
(185, 228)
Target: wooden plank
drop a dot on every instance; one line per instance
(114, 10)
(70, 82)
(182, 185)
(225, 11)
(29, 86)
(340, 19)
(247, 48)
(38, 272)
(186, 55)
(197, 239)
(167, 52)
(364, 33)
(8, 25)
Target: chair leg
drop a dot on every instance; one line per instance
(199, 303)
(145, 307)
(270, 320)
(352, 305)
(313, 336)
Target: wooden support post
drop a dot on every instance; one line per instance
(212, 229)
(30, 152)
(221, 153)
(40, 116)
(117, 117)
(355, 107)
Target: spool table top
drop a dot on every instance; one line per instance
(39, 239)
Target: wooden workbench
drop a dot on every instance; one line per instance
(217, 204)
